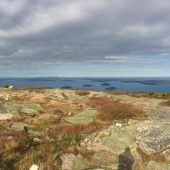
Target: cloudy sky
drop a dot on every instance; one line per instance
(84, 38)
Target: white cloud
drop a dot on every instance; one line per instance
(41, 18)
(116, 57)
(164, 54)
(83, 31)
(10, 8)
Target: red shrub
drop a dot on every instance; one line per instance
(82, 93)
(120, 111)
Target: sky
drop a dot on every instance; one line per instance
(84, 38)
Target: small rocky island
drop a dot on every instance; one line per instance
(53, 129)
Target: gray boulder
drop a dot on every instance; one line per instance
(30, 109)
(161, 114)
(20, 126)
(153, 137)
(67, 161)
(19, 109)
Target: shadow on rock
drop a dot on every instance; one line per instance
(126, 160)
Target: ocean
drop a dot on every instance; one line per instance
(97, 84)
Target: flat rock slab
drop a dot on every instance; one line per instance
(84, 117)
(159, 114)
(73, 162)
(6, 116)
(20, 126)
(153, 137)
(112, 145)
(20, 109)
(29, 111)
(114, 138)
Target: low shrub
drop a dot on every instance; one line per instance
(119, 111)
(75, 129)
(6, 86)
(98, 101)
(82, 93)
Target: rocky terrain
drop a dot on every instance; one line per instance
(53, 129)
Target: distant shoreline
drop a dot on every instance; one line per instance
(94, 84)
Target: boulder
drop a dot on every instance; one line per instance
(104, 159)
(67, 161)
(37, 140)
(20, 126)
(21, 109)
(153, 137)
(161, 114)
(28, 111)
(74, 162)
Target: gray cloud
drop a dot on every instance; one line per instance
(48, 32)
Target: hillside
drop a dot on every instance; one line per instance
(51, 129)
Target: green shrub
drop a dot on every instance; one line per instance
(6, 86)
